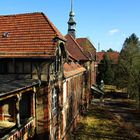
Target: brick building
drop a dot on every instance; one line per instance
(45, 78)
(32, 54)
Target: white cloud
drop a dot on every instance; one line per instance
(113, 31)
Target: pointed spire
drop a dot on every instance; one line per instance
(71, 5)
(71, 22)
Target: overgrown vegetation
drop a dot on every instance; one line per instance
(128, 74)
(99, 124)
(106, 70)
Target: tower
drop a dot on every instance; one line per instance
(71, 22)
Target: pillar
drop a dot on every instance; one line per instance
(17, 110)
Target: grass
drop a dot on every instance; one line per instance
(98, 124)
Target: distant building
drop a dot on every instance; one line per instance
(114, 56)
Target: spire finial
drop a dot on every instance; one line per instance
(71, 22)
(71, 5)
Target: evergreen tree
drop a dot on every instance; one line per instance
(105, 71)
(110, 50)
(129, 66)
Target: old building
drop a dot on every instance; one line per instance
(45, 78)
(90, 51)
(32, 54)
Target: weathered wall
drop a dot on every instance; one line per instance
(25, 69)
(42, 118)
(72, 100)
(93, 73)
(87, 83)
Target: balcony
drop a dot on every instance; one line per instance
(9, 130)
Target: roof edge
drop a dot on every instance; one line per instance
(58, 35)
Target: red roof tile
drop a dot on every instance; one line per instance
(113, 56)
(87, 47)
(29, 35)
(74, 49)
(71, 69)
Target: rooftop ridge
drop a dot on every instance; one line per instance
(18, 14)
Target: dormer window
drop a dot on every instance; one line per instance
(5, 34)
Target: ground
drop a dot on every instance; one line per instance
(116, 119)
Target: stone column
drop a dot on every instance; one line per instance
(17, 110)
(34, 102)
(33, 105)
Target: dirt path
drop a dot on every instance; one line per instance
(107, 123)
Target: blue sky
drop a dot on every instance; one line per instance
(104, 22)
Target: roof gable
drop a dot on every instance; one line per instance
(29, 35)
(87, 47)
(71, 69)
(74, 49)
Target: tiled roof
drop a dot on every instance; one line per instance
(71, 69)
(87, 47)
(113, 56)
(74, 49)
(29, 35)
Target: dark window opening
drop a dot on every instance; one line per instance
(19, 67)
(25, 107)
(57, 63)
(3, 67)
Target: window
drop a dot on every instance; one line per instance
(25, 106)
(58, 60)
(54, 101)
(19, 67)
(27, 67)
(23, 67)
(11, 67)
(57, 64)
(3, 67)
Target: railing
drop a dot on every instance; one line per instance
(25, 131)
